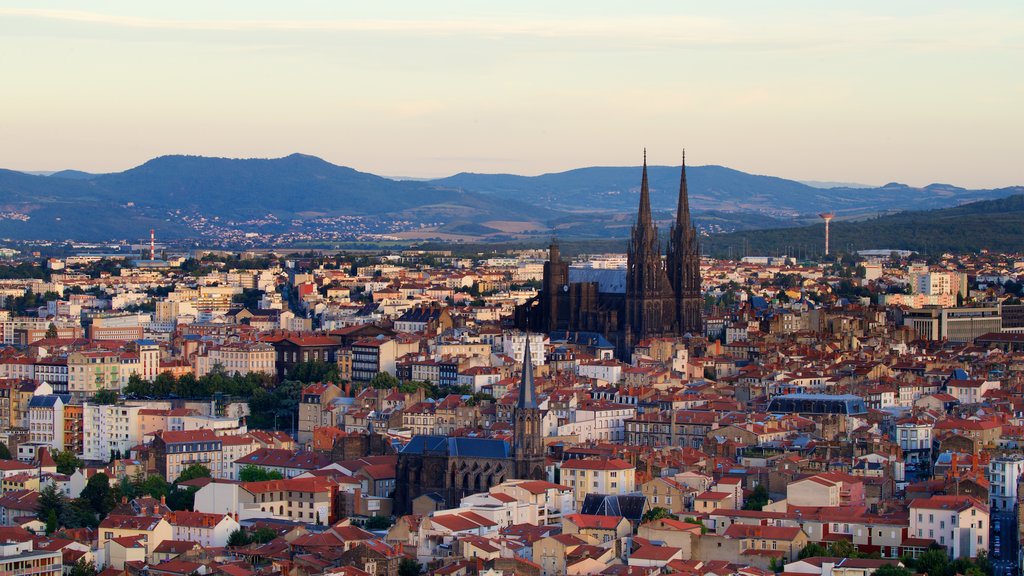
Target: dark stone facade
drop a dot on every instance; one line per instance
(458, 467)
(659, 298)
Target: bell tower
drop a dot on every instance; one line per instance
(528, 438)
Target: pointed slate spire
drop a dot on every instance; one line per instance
(643, 216)
(683, 210)
(527, 389)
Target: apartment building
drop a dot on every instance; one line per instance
(960, 523)
(109, 428)
(612, 476)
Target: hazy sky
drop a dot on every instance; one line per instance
(911, 91)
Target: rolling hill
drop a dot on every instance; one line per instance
(193, 196)
(713, 188)
(991, 224)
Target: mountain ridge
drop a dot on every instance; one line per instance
(191, 195)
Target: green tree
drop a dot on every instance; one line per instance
(657, 513)
(408, 567)
(812, 550)
(315, 371)
(239, 537)
(182, 498)
(105, 396)
(136, 386)
(192, 472)
(758, 498)
(83, 568)
(698, 522)
(155, 486)
(264, 535)
(51, 522)
(5, 452)
(253, 473)
(98, 495)
(67, 462)
(51, 331)
(933, 562)
(892, 570)
(49, 506)
(78, 514)
(163, 385)
(383, 380)
(378, 523)
(843, 549)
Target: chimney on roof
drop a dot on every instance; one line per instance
(163, 500)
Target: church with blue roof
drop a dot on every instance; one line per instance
(455, 467)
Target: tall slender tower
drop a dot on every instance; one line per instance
(528, 442)
(650, 305)
(827, 217)
(684, 264)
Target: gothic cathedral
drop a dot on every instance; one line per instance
(657, 297)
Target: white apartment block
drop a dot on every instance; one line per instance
(106, 428)
(960, 523)
(1003, 474)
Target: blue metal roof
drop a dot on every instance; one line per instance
(48, 400)
(467, 447)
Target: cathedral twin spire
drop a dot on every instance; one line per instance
(663, 297)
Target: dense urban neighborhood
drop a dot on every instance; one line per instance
(381, 413)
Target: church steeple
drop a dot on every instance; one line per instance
(527, 388)
(527, 432)
(643, 215)
(683, 207)
(684, 264)
(648, 296)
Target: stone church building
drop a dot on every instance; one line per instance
(455, 467)
(651, 297)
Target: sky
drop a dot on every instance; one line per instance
(869, 91)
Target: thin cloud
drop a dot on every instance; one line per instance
(845, 32)
(552, 28)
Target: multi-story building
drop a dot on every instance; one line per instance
(209, 530)
(373, 356)
(153, 529)
(313, 409)
(1004, 473)
(914, 435)
(513, 344)
(292, 350)
(612, 476)
(53, 371)
(177, 450)
(420, 418)
(73, 428)
(241, 357)
(960, 523)
(46, 417)
(89, 372)
(598, 421)
(109, 428)
(686, 428)
(958, 324)
(20, 559)
(308, 500)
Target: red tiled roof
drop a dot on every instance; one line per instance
(611, 464)
(595, 521)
